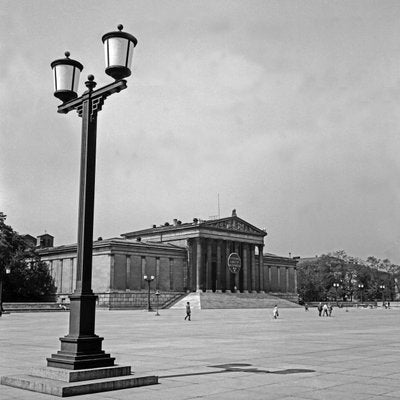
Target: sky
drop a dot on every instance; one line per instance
(287, 111)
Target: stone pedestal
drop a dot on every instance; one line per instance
(63, 382)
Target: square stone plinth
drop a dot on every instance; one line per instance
(64, 383)
(67, 375)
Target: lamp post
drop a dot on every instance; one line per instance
(361, 287)
(157, 296)
(6, 271)
(382, 287)
(336, 286)
(148, 279)
(81, 348)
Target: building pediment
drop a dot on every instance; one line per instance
(235, 224)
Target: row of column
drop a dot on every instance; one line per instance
(275, 282)
(208, 261)
(63, 272)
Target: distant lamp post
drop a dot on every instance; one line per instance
(81, 348)
(336, 286)
(6, 271)
(157, 297)
(382, 287)
(148, 279)
(361, 287)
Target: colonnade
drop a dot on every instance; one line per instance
(208, 266)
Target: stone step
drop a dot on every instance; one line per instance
(60, 387)
(193, 298)
(209, 300)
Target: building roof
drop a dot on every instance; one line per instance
(109, 243)
(233, 223)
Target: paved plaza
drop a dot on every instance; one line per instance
(226, 354)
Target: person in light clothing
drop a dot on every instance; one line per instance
(276, 312)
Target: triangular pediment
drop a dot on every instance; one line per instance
(234, 224)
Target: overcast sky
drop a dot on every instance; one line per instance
(289, 110)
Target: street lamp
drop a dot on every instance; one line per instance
(382, 287)
(361, 287)
(336, 286)
(148, 279)
(81, 348)
(157, 296)
(2, 275)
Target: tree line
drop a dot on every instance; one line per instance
(338, 276)
(23, 276)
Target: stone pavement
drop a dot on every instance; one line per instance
(226, 354)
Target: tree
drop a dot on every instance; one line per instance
(309, 282)
(387, 274)
(29, 278)
(316, 278)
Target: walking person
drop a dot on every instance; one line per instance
(188, 311)
(276, 312)
(325, 310)
(319, 309)
(330, 308)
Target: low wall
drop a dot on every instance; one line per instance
(34, 307)
(136, 300)
(344, 304)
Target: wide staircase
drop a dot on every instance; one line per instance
(209, 300)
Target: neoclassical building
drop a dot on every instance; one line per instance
(219, 255)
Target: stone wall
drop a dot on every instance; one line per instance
(135, 300)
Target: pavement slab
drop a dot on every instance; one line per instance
(225, 354)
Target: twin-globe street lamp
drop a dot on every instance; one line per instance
(81, 348)
(336, 286)
(361, 287)
(148, 279)
(382, 287)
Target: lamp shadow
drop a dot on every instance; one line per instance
(240, 367)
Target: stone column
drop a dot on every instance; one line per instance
(219, 286)
(295, 280)
(245, 267)
(61, 275)
(128, 272)
(143, 272)
(209, 265)
(171, 274)
(261, 267)
(253, 268)
(278, 270)
(237, 280)
(269, 278)
(189, 281)
(228, 273)
(157, 274)
(287, 280)
(198, 265)
(71, 285)
(112, 271)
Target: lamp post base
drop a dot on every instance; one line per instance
(64, 383)
(80, 353)
(81, 348)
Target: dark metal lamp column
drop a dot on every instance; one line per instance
(82, 348)
(148, 279)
